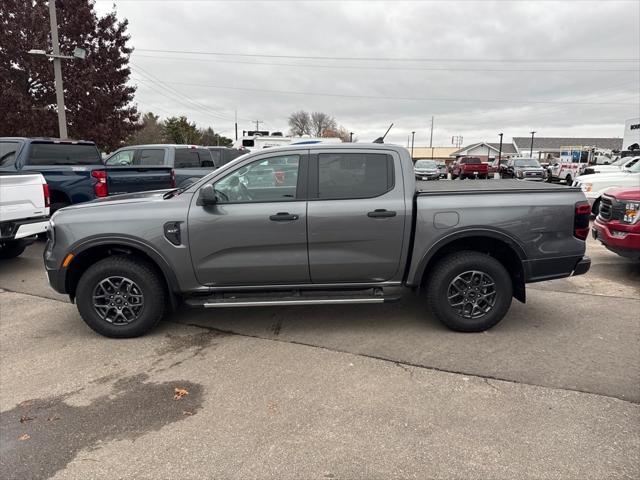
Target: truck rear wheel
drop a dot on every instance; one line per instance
(469, 291)
(121, 297)
(11, 249)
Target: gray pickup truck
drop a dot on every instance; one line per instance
(335, 224)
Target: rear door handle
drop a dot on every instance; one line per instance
(283, 217)
(381, 213)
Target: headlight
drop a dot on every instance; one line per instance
(631, 212)
(586, 187)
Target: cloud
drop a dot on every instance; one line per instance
(492, 66)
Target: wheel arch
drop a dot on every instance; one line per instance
(497, 244)
(93, 250)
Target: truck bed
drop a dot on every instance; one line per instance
(462, 187)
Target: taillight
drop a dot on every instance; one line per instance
(173, 178)
(581, 220)
(100, 188)
(47, 195)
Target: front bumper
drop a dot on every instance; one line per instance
(620, 238)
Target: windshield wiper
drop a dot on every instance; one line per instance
(172, 193)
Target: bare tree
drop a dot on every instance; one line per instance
(338, 132)
(300, 123)
(320, 122)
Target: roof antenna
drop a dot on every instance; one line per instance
(381, 139)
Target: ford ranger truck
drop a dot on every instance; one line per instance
(354, 227)
(617, 225)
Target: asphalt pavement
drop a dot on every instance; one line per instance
(326, 392)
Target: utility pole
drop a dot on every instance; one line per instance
(350, 137)
(236, 124)
(57, 71)
(258, 122)
(431, 138)
(531, 149)
(413, 135)
(500, 150)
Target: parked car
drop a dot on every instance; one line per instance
(617, 225)
(618, 165)
(74, 171)
(524, 169)
(442, 169)
(595, 185)
(24, 211)
(498, 166)
(352, 229)
(223, 155)
(426, 170)
(469, 167)
(189, 162)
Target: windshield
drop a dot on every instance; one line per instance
(527, 162)
(426, 164)
(635, 168)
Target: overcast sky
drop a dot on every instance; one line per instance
(569, 68)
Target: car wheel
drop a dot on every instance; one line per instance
(11, 249)
(121, 297)
(569, 180)
(469, 291)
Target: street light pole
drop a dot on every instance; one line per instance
(413, 134)
(500, 149)
(57, 71)
(350, 137)
(531, 149)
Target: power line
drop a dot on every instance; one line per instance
(386, 68)
(398, 59)
(382, 97)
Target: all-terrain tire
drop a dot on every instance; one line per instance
(11, 250)
(454, 266)
(146, 280)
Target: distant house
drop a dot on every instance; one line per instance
(485, 151)
(546, 147)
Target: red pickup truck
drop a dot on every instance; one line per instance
(469, 167)
(617, 225)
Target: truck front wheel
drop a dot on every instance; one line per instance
(121, 297)
(469, 291)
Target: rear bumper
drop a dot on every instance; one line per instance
(17, 229)
(558, 267)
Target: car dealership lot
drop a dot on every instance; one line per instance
(326, 392)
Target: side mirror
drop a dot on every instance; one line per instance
(207, 195)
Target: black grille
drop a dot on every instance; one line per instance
(611, 209)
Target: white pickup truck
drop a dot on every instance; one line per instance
(24, 211)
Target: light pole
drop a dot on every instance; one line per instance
(413, 134)
(531, 149)
(500, 149)
(57, 67)
(350, 137)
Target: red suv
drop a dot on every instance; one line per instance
(617, 225)
(469, 167)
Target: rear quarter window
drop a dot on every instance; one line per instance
(63, 154)
(8, 153)
(186, 158)
(354, 175)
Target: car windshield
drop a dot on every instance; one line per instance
(527, 162)
(426, 164)
(635, 168)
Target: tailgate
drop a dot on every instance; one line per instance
(138, 179)
(21, 196)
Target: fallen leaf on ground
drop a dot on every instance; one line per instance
(24, 436)
(179, 393)
(187, 412)
(25, 418)
(51, 419)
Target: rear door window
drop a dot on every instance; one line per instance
(8, 153)
(63, 154)
(354, 175)
(186, 158)
(150, 157)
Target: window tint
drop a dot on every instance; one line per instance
(247, 143)
(186, 158)
(216, 155)
(354, 175)
(63, 154)
(205, 159)
(8, 152)
(471, 161)
(268, 180)
(151, 157)
(121, 158)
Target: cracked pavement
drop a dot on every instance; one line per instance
(326, 392)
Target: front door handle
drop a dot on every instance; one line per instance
(381, 213)
(283, 217)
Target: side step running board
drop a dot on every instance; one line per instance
(266, 299)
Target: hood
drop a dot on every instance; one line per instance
(623, 194)
(152, 196)
(598, 177)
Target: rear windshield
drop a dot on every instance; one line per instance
(63, 154)
(471, 160)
